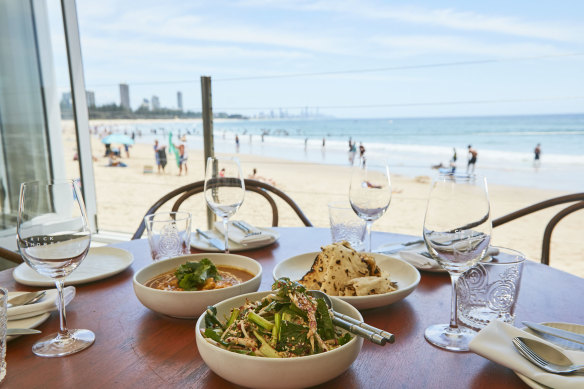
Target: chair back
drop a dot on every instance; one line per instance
(576, 198)
(267, 191)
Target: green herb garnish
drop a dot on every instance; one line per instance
(192, 275)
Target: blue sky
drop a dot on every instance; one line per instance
(363, 58)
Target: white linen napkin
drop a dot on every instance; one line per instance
(419, 261)
(238, 236)
(46, 304)
(494, 342)
(415, 257)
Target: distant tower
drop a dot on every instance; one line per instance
(90, 96)
(155, 103)
(179, 101)
(125, 96)
(66, 100)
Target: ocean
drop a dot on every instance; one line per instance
(505, 144)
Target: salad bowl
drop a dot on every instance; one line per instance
(261, 372)
(191, 304)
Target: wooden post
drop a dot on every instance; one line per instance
(209, 148)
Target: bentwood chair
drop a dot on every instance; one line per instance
(10, 256)
(267, 191)
(576, 198)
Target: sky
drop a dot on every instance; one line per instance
(341, 58)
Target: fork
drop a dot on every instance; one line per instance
(539, 361)
(245, 229)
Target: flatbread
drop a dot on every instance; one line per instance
(336, 265)
(365, 286)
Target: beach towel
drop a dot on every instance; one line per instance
(173, 150)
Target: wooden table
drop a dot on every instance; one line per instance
(136, 347)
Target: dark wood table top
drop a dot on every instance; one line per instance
(136, 347)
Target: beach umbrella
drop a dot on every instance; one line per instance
(117, 138)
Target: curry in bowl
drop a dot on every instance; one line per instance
(199, 283)
(202, 275)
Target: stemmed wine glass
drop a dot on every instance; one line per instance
(53, 236)
(370, 192)
(457, 232)
(224, 189)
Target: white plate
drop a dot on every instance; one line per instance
(576, 328)
(100, 263)
(406, 276)
(46, 304)
(29, 322)
(201, 243)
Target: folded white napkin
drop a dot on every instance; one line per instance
(46, 304)
(238, 236)
(414, 256)
(494, 342)
(419, 261)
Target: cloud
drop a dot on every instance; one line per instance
(410, 45)
(439, 17)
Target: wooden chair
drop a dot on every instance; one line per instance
(576, 198)
(10, 256)
(259, 187)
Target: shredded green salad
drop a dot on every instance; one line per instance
(286, 323)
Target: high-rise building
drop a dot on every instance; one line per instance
(90, 96)
(125, 96)
(145, 105)
(155, 103)
(66, 101)
(179, 102)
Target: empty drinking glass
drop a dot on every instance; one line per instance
(370, 192)
(169, 234)
(489, 290)
(457, 232)
(346, 225)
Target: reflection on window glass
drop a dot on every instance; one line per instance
(36, 142)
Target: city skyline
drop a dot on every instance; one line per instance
(345, 58)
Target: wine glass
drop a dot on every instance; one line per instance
(53, 236)
(457, 232)
(370, 192)
(224, 189)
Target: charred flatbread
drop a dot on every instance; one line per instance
(337, 265)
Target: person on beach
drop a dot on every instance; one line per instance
(323, 142)
(255, 176)
(160, 153)
(536, 152)
(237, 143)
(472, 155)
(453, 161)
(352, 151)
(361, 151)
(182, 150)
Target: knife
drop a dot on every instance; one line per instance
(571, 336)
(213, 241)
(26, 298)
(21, 331)
(398, 247)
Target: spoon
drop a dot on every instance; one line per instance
(26, 298)
(554, 361)
(355, 326)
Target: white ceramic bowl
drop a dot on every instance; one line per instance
(406, 276)
(191, 304)
(259, 372)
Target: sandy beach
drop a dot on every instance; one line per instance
(124, 195)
